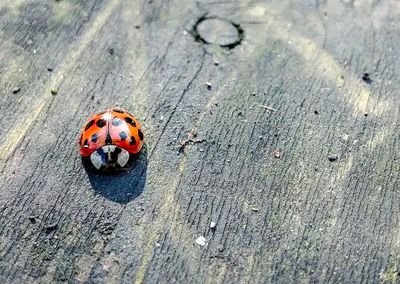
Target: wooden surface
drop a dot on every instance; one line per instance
(287, 149)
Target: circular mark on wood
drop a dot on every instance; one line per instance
(217, 31)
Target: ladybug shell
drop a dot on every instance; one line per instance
(112, 127)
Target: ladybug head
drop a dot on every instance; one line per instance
(109, 157)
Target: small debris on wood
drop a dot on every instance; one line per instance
(109, 264)
(16, 90)
(316, 112)
(190, 140)
(54, 92)
(213, 226)
(268, 108)
(366, 78)
(51, 227)
(32, 219)
(254, 209)
(49, 69)
(366, 114)
(216, 62)
(209, 85)
(137, 27)
(158, 245)
(111, 51)
(201, 241)
(276, 154)
(333, 158)
(253, 94)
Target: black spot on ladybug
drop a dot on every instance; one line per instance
(108, 139)
(130, 121)
(133, 141)
(118, 110)
(101, 122)
(86, 143)
(89, 124)
(94, 138)
(140, 135)
(123, 135)
(116, 121)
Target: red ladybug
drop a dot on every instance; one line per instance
(110, 138)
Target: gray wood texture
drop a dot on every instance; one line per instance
(258, 116)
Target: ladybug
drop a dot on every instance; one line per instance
(110, 139)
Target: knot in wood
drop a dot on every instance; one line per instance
(217, 31)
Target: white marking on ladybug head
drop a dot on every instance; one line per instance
(109, 156)
(123, 158)
(96, 159)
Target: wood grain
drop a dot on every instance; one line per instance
(239, 135)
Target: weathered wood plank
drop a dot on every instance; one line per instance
(31, 31)
(292, 154)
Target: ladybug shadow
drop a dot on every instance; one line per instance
(123, 185)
